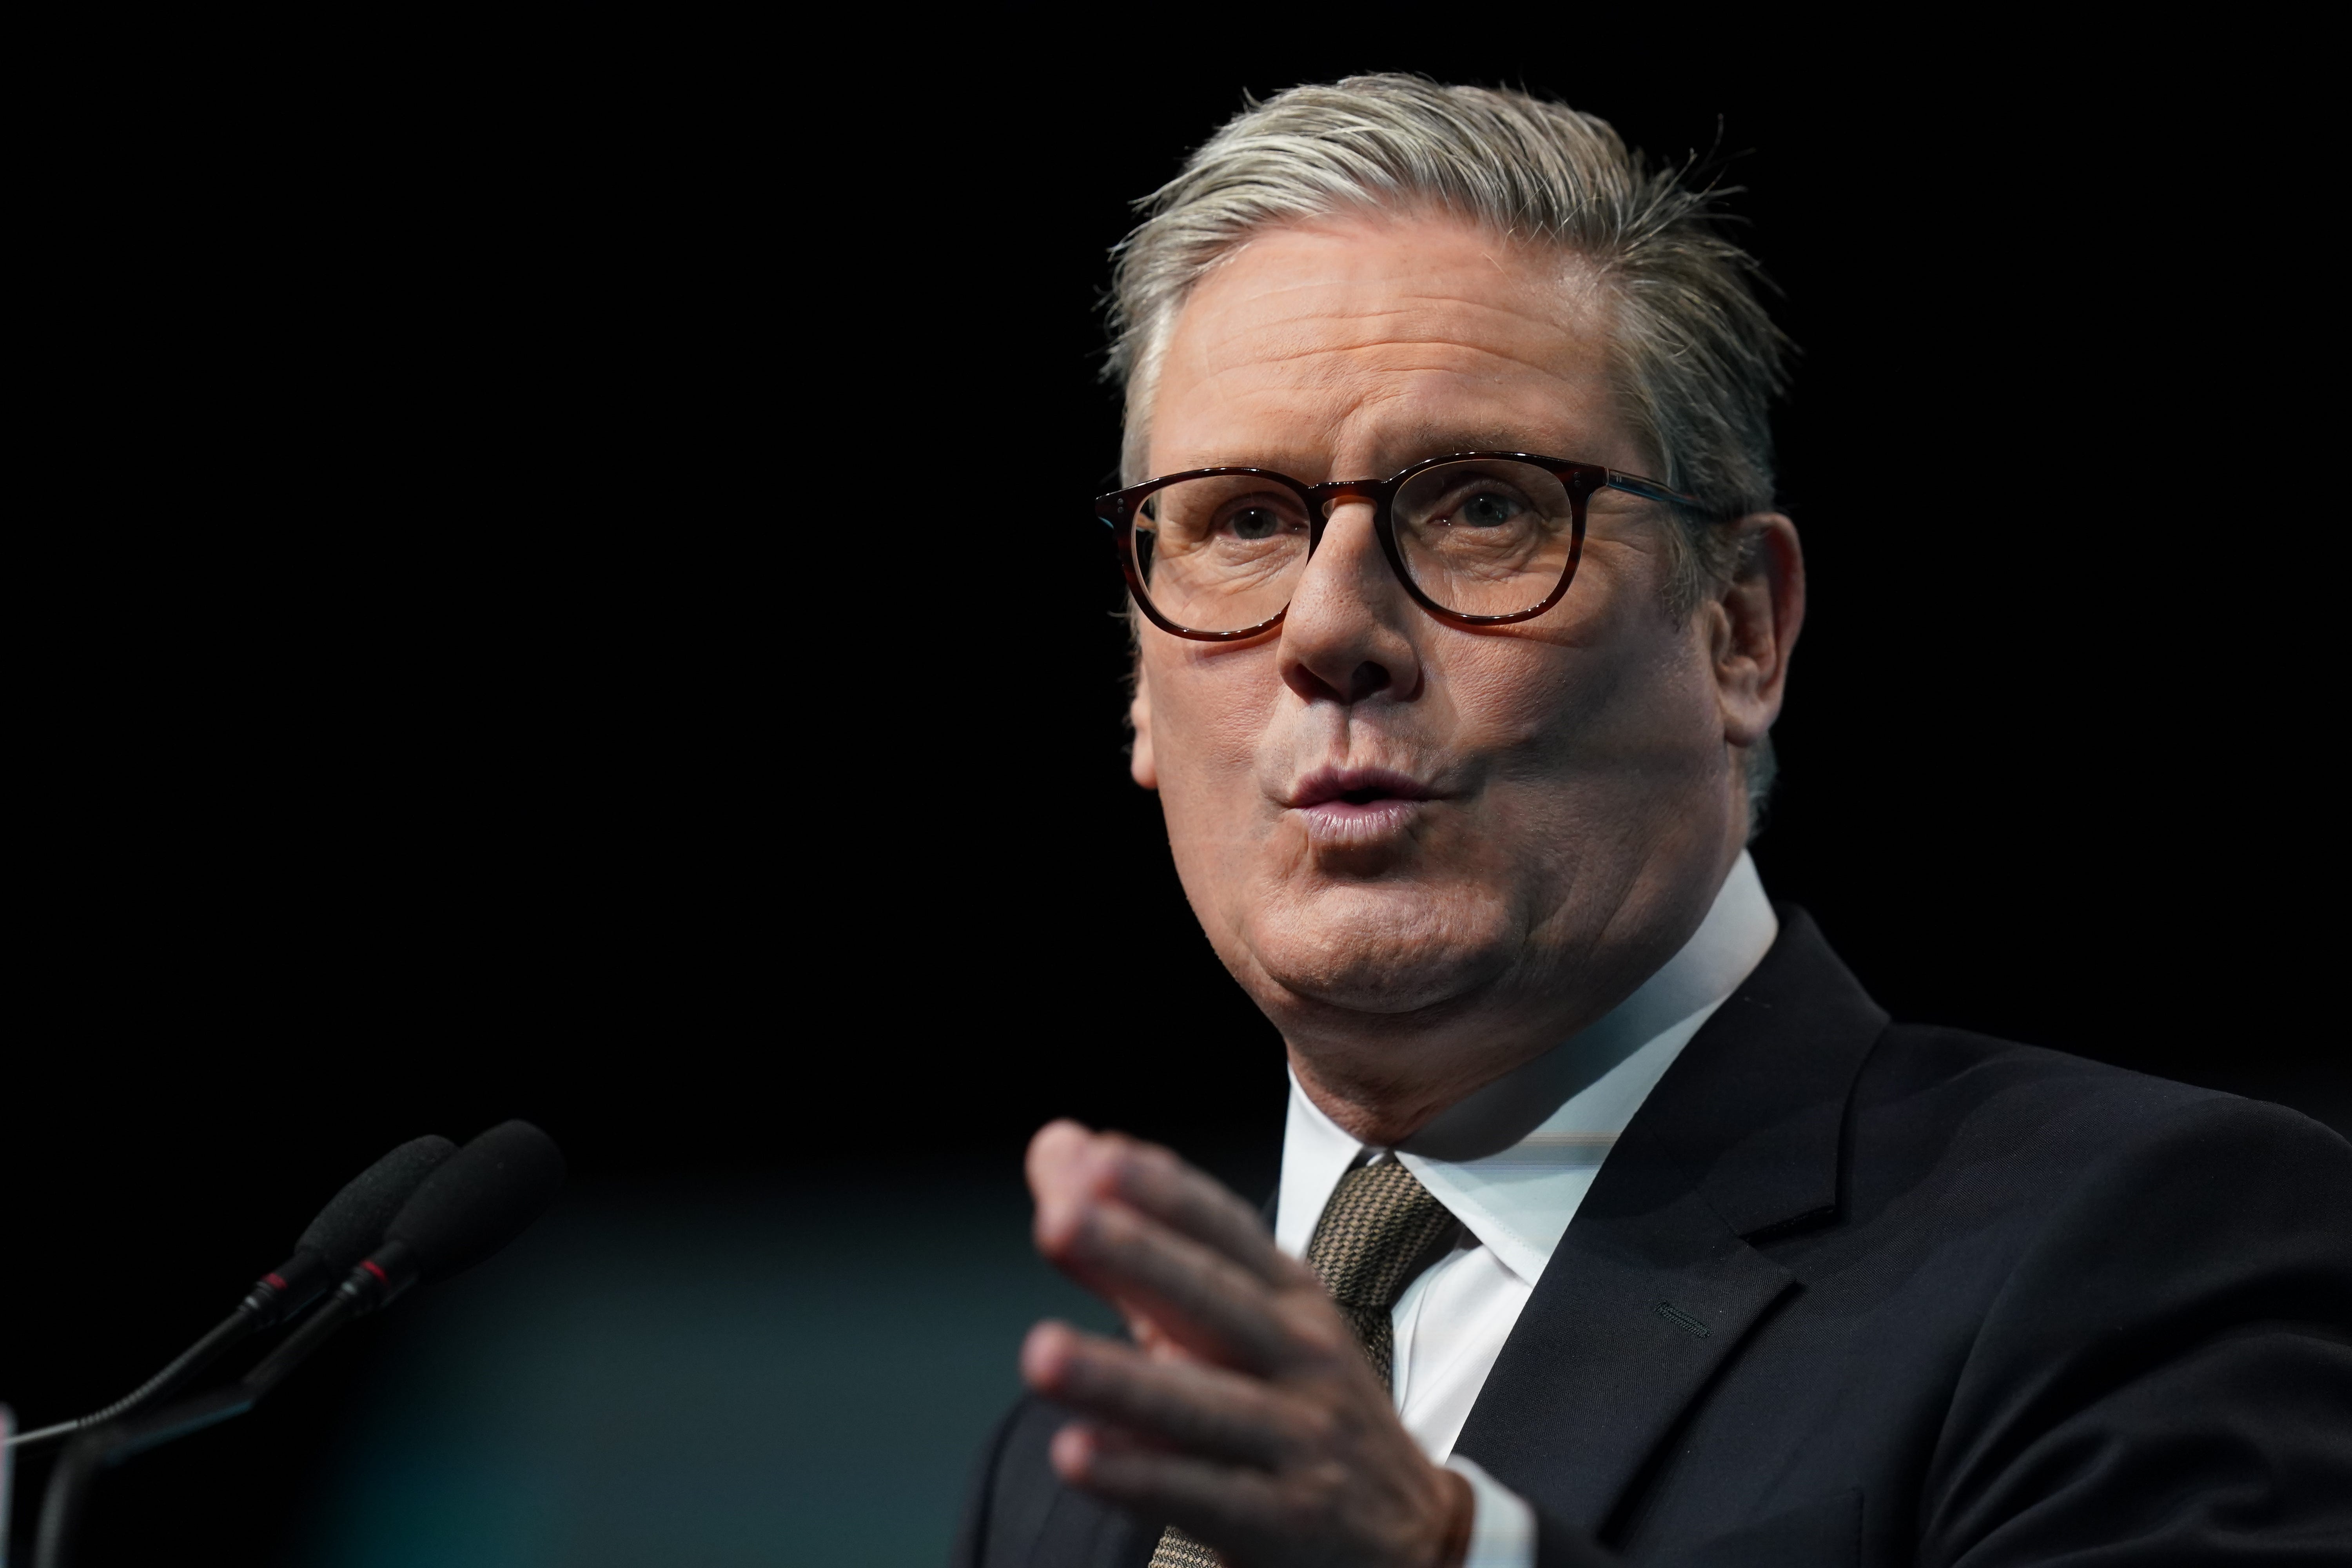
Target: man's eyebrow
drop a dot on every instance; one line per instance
(1410, 447)
(1400, 451)
(1437, 443)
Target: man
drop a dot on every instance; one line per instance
(1616, 1223)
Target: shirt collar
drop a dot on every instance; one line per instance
(1514, 1161)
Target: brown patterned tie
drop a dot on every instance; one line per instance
(1380, 1230)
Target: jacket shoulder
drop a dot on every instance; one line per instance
(2167, 1262)
(2063, 1196)
(1953, 1095)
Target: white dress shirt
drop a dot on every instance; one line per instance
(1512, 1163)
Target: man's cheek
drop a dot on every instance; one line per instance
(1216, 703)
(1512, 697)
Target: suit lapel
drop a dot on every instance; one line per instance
(1654, 1285)
(1637, 1309)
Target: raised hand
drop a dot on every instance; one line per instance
(1246, 1412)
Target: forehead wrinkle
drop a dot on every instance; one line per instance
(1406, 294)
(1324, 352)
(1384, 368)
(1333, 390)
(1230, 338)
(1328, 353)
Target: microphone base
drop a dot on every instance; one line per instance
(103, 1447)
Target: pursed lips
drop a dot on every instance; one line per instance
(1355, 787)
(1357, 806)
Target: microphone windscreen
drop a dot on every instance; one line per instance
(352, 1224)
(487, 1194)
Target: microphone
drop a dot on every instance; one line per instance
(346, 1228)
(475, 1202)
(352, 1222)
(488, 1194)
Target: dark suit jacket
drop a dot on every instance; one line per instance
(1848, 1292)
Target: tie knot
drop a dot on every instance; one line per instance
(1375, 1234)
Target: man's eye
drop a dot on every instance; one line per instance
(1254, 522)
(1488, 508)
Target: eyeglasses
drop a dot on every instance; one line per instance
(1478, 539)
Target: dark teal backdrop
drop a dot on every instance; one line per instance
(487, 535)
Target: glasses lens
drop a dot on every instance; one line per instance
(1486, 537)
(1221, 555)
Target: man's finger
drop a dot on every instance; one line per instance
(1068, 1164)
(1233, 1507)
(1193, 1202)
(1201, 1299)
(1203, 1410)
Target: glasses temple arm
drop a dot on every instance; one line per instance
(1650, 489)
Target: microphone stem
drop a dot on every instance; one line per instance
(70, 1484)
(239, 1325)
(104, 1448)
(296, 1348)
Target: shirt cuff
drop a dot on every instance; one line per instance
(1503, 1528)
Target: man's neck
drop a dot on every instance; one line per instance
(1483, 1112)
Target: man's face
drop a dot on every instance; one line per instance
(1410, 842)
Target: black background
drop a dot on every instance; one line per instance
(553, 578)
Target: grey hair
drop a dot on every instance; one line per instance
(1698, 361)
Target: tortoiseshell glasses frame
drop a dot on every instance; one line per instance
(1120, 511)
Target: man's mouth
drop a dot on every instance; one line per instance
(1354, 786)
(1357, 806)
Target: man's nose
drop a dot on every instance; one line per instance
(1346, 635)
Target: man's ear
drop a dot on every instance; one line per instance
(1139, 764)
(1756, 619)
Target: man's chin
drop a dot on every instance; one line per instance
(1375, 954)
